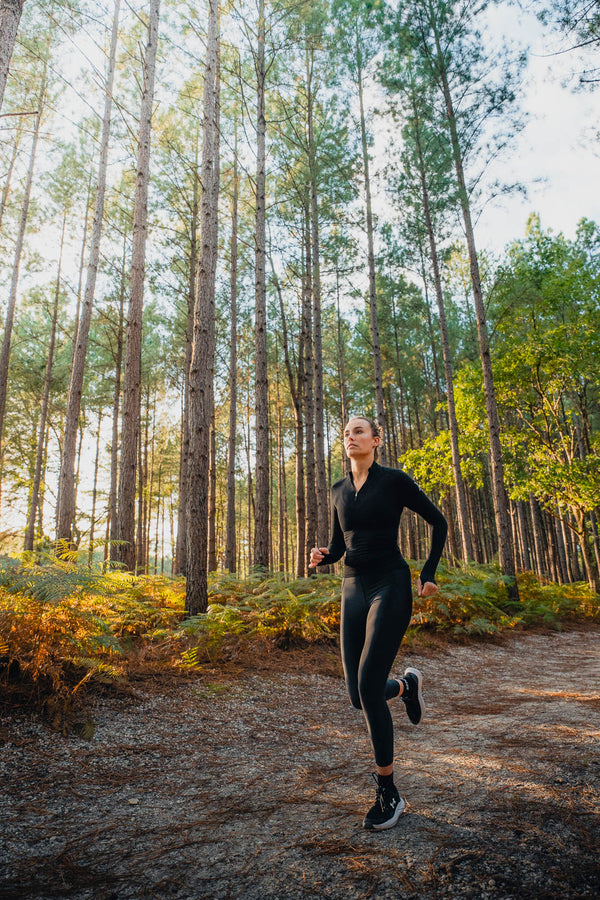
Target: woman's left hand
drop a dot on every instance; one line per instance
(427, 589)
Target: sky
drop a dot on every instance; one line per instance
(556, 156)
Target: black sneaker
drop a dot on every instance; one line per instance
(413, 699)
(386, 810)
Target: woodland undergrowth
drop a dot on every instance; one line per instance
(65, 626)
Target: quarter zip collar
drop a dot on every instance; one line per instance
(373, 469)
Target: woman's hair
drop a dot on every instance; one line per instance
(375, 429)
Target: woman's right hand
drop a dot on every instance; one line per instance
(316, 555)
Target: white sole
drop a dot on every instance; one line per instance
(419, 678)
(391, 822)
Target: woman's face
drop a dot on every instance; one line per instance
(359, 440)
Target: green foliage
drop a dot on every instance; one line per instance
(283, 613)
(64, 625)
(473, 600)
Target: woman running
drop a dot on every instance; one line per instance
(377, 597)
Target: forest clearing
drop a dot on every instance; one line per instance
(145, 754)
(233, 784)
(226, 230)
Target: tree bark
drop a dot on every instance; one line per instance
(203, 346)
(322, 535)
(125, 551)
(11, 165)
(10, 16)
(308, 392)
(230, 535)
(459, 485)
(66, 491)
(373, 314)
(112, 529)
(39, 459)
(95, 491)
(505, 553)
(12, 298)
(261, 523)
(296, 391)
(180, 554)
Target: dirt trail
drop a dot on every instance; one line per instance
(255, 788)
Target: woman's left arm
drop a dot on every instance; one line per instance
(419, 502)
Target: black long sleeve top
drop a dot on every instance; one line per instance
(365, 523)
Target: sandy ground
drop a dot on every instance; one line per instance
(254, 786)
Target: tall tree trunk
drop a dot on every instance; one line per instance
(538, 537)
(203, 347)
(86, 222)
(10, 16)
(524, 535)
(261, 524)
(374, 318)
(230, 537)
(341, 377)
(296, 393)
(212, 499)
(11, 165)
(66, 492)
(281, 485)
(461, 501)
(112, 530)
(12, 298)
(320, 473)
(125, 551)
(505, 553)
(589, 562)
(39, 459)
(308, 393)
(95, 490)
(180, 555)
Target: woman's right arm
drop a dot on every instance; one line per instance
(337, 545)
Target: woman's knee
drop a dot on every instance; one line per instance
(368, 692)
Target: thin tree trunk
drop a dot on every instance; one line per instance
(203, 347)
(37, 477)
(374, 318)
(589, 563)
(157, 527)
(538, 539)
(230, 536)
(308, 394)
(112, 529)
(341, 365)
(281, 487)
(125, 551)
(524, 538)
(296, 393)
(10, 16)
(95, 490)
(459, 485)
(86, 222)
(180, 554)
(11, 165)
(506, 556)
(212, 499)
(261, 524)
(66, 494)
(12, 297)
(320, 473)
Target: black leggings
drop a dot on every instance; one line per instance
(376, 611)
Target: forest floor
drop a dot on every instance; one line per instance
(252, 783)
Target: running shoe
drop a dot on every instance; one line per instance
(386, 810)
(413, 699)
